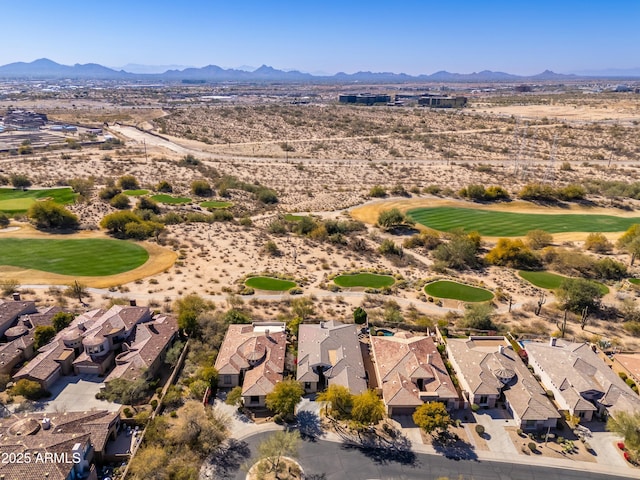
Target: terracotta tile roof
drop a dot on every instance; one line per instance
(247, 345)
(334, 346)
(43, 365)
(11, 310)
(42, 318)
(402, 362)
(10, 350)
(630, 361)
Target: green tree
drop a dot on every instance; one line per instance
(234, 397)
(76, 289)
(513, 253)
(164, 187)
(117, 221)
(478, 316)
(267, 196)
(189, 308)
(173, 354)
(234, 315)
(28, 389)
(303, 307)
(431, 417)
(627, 425)
(150, 462)
(43, 335)
(630, 241)
(338, 399)
(597, 242)
(126, 392)
(108, 192)
(460, 251)
(577, 293)
(148, 203)
(19, 180)
(360, 316)
(128, 182)
(120, 201)
(82, 186)
(368, 408)
(273, 448)
(49, 215)
(201, 188)
(284, 397)
(538, 239)
(4, 220)
(389, 219)
(200, 429)
(61, 320)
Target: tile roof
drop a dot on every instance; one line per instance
(43, 365)
(11, 310)
(246, 345)
(630, 361)
(489, 371)
(401, 362)
(577, 371)
(334, 346)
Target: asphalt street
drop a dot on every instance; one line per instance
(323, 460)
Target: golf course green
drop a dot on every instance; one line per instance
(511, 224)
(457, 291)
(136, 193)
(18, 201)
(82, 257)
(171, 200)
(269, 283)
(216, 204)
(369, 280)
(551, 281)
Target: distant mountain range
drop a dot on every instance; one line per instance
(48, 69)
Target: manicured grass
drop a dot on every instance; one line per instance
(18, 201)
(457, 291)
(163, 198)
(370, 280)
(269, 283)
(547, 280)
(136, 193)
(551, 281)
(510, 224)
(635, 281)
(216, 204)
(290, 217)
(85, 257)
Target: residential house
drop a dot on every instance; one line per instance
(89, 345)
(66, 444)
(11, 310)
(629, 364)
(252, 356)
(488, 370)
(15, 351)
(410, 372)
(329, 354)
(580, 380)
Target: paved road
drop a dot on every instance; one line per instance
(323, 460)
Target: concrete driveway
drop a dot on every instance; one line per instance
(76, 393)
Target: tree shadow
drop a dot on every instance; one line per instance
(384, 451)
(228, 459)
(453, 447)
(309, 425)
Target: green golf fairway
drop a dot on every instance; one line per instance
(85, 257)
(370, 280)
(269, 283)
(136, 193)
(510, 224)
(216, 204)
(19, 201)
(162, 198)
(457, 291)
(635, 281)
(551, 281)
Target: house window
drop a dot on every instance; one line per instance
(484, 400)
(254, 399)
(307, 385)
(529, 423)
(581, 414)
(226, 379)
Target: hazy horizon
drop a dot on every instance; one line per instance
(413, 37)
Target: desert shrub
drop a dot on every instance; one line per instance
(513, 253)
(108, 192)
(4, 220)
(164, 186)
(479, 429)
(532, 446)
(201, 188)
(377, 191)
(147, 203)
(597, 242)
(28, 389)
(538, 239)
(120, 201)
(267, 196)
(128, 182)
(388, 247)
(50, 215)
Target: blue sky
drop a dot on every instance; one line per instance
(328, 36)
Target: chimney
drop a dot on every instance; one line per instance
(428, 359)
(266, 332)
(552, 341)
(501, 349)
(16, 296)
(132, 302)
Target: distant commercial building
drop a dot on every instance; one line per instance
(24, 120)
(364, 98)
(442, 101)
(523, 88)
